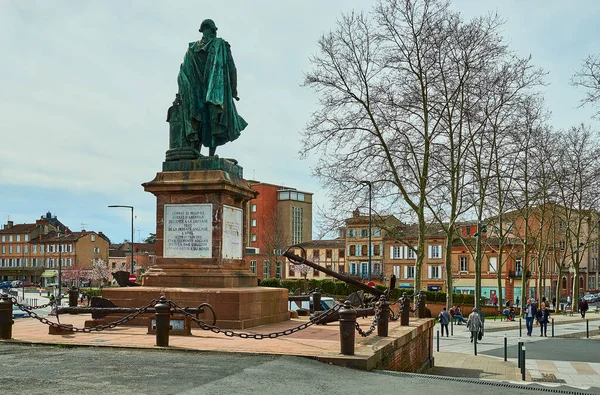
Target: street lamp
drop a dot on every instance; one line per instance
(131, 207)
(370, 184)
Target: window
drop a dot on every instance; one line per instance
(364, 270)
(435, 252)
(266, 269)
(18, 249)
(253, 208)
(69, 261)
(358, 250)
(69, 247)
(581, 283)
(351, 250)
(341, 253)
(342, 268)
(376, 232)
(34, 262)
(253, 237)
(434, 272)
(96, 250)
(411, 253)
(468, 230)
(353, 269)
(42, 248)
(364, 233)
(291, 271)
(561, 226)
(284, 196)
(3, 238)
(564, 283)
(376, 269)
(396, 252)
(351, 233)
(10, 238)
(18, 237)
(26, 249)
(50, 262)
(297, 225)
(561, 244)
(409, 272)
(493, 264)
(93, 237)
(518, 266)
(328, 254)
(316, 273)
(4, 249)
(26, 237)
(253, 222)
(10, 249)
(464, 264)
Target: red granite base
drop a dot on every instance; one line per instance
(235, 308)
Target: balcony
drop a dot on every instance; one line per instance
(519, 274)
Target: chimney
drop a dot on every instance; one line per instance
(356, 213)
(9, 224)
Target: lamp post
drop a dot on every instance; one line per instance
(370, 184)
(59, 275)
(131, 207)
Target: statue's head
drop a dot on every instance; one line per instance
(208, 24)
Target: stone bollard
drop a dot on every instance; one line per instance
(73, 297)
(316, 301)
(420, 304)
(384, 317)
(347, 328)
(6, 321)
(163, 322)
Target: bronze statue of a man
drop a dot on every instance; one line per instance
(204, 113)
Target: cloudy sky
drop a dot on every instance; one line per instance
(85, 87)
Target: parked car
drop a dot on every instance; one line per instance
(326, 304)
(590, 298)
(15, 284)
(28, 284)
(5, 284)
(18, 313)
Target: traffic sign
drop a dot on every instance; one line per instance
(132, 278)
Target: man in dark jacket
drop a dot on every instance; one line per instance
(583, 307)
(530, 313)
(444, 318)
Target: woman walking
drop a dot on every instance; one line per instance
(474, 324)
(543, 316)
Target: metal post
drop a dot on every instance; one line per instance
(347, 328)
(438, 341)
(452, 327)
(505, 348)
(132, 249)
(316, 301)
(520, 328)
(519, 347)
(163, 318)
(587, 329)
(73, 297)
(6, 321)
(59, 300)
(552, 327)
(475, 343)
(384, 318)
(523, 363)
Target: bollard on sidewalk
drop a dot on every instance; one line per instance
(520, 328)
(347, 328)
(552, 327)
(163, 322)
(587, 329)
(73, 297)
(438, 341)
(384, 318)
(475, 343)
(6, 321)
(452, 327)
(519, 347)
(523, 364)
(505, 348)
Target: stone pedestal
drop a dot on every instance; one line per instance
(200, 234)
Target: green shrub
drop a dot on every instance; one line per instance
(91, 291)
(271, 282)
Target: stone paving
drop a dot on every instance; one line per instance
(456, 356)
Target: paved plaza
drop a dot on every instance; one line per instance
(562, 359)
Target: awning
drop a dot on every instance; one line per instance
(50, 273)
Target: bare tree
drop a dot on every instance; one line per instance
(588, 78)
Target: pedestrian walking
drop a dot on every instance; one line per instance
(474, 324)
(444, 318)
(543, 316)
(583, 307)
(568, 300)
(554, 302)
(530, 314)
(517, 301)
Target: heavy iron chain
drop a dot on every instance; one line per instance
(373, 323)
(256, 336)
(86, 329)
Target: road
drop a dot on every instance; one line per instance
(50, 370)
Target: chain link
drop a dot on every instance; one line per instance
(86, 329)
(257, 336)
(373, 323)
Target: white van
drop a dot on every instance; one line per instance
(326, 304)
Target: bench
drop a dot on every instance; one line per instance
(569, 310)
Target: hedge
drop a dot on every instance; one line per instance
(341, 289)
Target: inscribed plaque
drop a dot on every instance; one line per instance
(232, 232)
(188, 231)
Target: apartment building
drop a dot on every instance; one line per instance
(330, 254)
